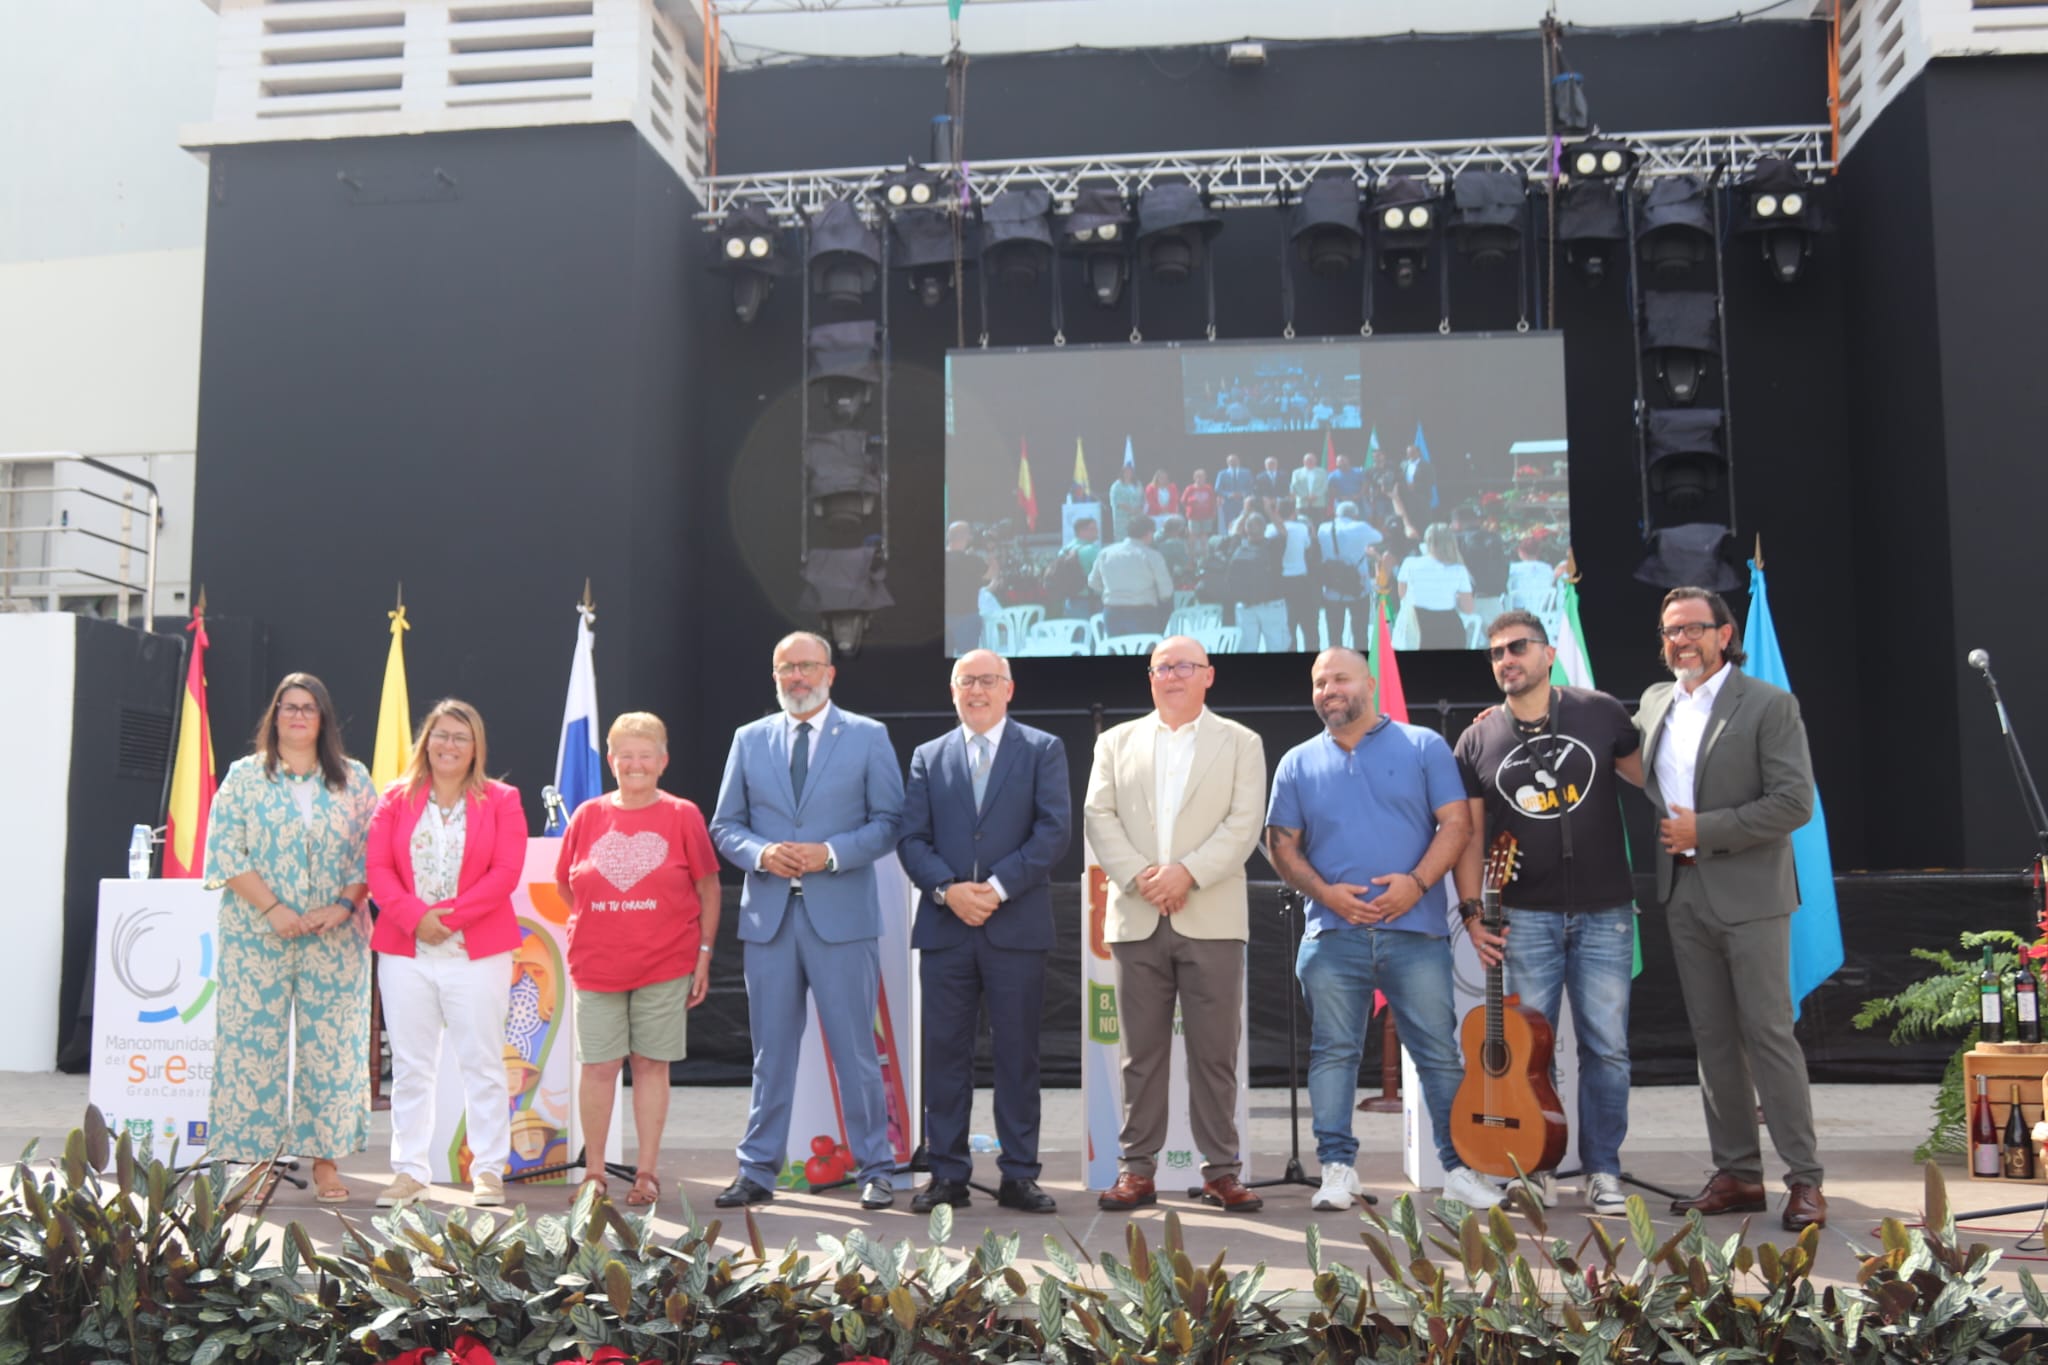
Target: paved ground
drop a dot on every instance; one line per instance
(1867, 1134)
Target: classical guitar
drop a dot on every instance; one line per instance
(1507, 1112)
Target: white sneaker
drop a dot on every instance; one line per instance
(1542, 1184)
(488, 1189)
(1470, 1188)
(402, 1190)
(1604, 1193)
(1340, 1182)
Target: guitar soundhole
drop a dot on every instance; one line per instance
(1494, 1057)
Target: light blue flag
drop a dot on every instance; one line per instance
(1816, 926)
(579, 775)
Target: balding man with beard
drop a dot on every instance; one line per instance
(1367, 821)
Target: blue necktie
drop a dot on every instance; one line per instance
(800, 758)
(979, 768)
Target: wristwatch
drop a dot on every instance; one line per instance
(939, 892)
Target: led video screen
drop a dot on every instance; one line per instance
(1261, 497)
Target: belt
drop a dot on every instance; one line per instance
(1685, 859)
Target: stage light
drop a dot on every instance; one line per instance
(921, 231)
(1696, 554)
(1681, 337)
(750, 252)
(1325, 224)
(1596, 159)
(846, 587)
(1777, 205)
(845, 255)
(846, 365)
(1404, 226)
(1173, 226)
(1016, 235)
(845, 483)
(1098, 230)
(1683, 452)
(1675, 225)
(1486, 214)
(1591, 226)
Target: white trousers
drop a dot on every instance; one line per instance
(468, 1000)
(1262, 628)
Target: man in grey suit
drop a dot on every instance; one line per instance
(1726, 764)
(810, 799)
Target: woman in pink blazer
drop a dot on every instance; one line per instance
(447, 846)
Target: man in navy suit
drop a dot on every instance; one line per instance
(810, 799)
(985, 816)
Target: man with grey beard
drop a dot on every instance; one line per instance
(810, 799)
(1727, 767)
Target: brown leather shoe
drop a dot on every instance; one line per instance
(1805, 1206)
(1129, 1192)
(1228, 1193)
(1725, 1193)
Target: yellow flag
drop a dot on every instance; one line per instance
(1080, 488)
(394, 712)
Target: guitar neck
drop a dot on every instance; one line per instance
(1490, 916)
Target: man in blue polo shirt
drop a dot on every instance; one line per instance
(1366, 820)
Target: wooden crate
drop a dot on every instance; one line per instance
(2004, 1065)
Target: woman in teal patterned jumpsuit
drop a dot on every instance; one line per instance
(286, 837)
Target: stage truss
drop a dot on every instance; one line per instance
(1268, 176)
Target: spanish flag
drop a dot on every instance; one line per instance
(1027, 501)
(192, 776)
(394, 713)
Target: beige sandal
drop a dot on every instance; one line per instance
(640, 1196)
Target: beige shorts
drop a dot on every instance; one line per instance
(651, 1022)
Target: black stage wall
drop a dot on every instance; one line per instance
(463, 363)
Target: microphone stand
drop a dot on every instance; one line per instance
(2037, 816)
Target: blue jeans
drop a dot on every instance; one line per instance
(1339, 970)
(1589, 954)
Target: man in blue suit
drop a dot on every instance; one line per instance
(810, 799)
(986, 815)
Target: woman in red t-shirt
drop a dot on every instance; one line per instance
(638, 867)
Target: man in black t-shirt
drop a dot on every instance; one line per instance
(1543, 768)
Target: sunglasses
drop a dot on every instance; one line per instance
(1515, 647)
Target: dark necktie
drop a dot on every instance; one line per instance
(800, 758)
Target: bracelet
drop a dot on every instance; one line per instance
(1417, 879)
(270, 907)
(1469, 909)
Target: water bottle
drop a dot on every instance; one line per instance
(138, 854)
(982, 1142)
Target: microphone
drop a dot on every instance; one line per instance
(1981, 661)
(554, 809)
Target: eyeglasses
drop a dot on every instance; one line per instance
(450, 738)
(1183, 669)
(988, 682)
(1515, 647)
(300, 709)
(1687, 630)
(803, 670)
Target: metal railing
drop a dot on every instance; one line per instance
(11, 535)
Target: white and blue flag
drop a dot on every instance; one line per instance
(578, 774)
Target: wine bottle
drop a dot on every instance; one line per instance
(1990, 1003)
(2026, 1008)
(2019, 1145)
(1985, 1157)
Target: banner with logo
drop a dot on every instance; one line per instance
(540, 1044)
(153, 1012)
(818, 1153)
(1468, 992)
(1102, 1082)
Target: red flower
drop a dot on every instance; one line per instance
(468, 1350)
(418, 1355)
(604, 1355)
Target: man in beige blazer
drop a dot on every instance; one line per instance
(1727, 769)
(1175, 804)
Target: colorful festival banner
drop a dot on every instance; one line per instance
(152, 1012)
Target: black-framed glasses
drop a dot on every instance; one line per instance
(293, 708)
(1515, 647)
(1183, 669)
(1687, 630)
